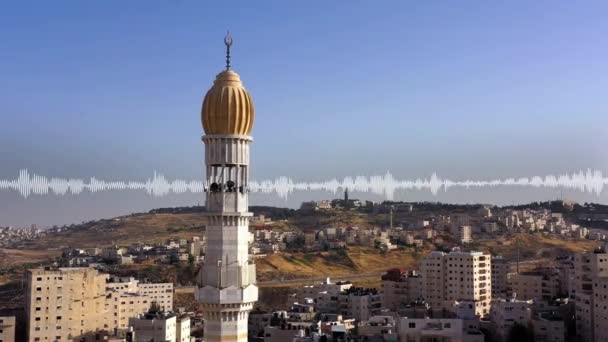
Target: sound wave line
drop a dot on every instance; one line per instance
(591, 181)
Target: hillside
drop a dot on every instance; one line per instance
(124, 230)
(356, 260)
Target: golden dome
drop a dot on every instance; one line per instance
(228, 107)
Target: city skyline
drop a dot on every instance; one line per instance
(481, 91)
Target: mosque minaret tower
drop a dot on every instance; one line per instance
(227, 287)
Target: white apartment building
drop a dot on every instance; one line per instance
(182, 329)
(436, 329)
(7, 328)
(505, 313)
(463, 234)
(383, 326)
(154, 326)
(324, 295)
(457, 277)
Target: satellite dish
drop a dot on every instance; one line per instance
(230, 185)
(214, 187)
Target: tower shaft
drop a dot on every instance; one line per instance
(227, 280)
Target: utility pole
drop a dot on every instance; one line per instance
(517, 255)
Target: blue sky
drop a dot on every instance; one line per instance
(476, 89)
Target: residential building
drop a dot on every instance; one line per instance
(500, 271)
(289, 332)
(80, 302)
(154, 326)
(7, 328)
(457, 277)
(182, 329)
(359, 303)
(590, 283)
(65, 304)
(549, 327)
(540, 284)
(505, 313)
(463, 234)
(383, 327)
(437, 329)
(399, 288)
(324, 295)
(160, 293)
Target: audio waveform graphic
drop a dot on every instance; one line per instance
(591, 181)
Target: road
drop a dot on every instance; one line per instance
(299, 281)
(317, 279)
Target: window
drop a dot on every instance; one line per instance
(412, 325)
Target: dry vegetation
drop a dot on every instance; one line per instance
(126, 230)
(15, 257)
(535, 246)
(354, 260)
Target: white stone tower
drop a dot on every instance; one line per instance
(227, 287)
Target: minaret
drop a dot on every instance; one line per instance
(227, 288)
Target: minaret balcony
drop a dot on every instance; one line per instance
(227, 202)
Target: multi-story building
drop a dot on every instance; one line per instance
(65, 304)
(62, 302)
(182, 329)
(463, 277)
(7, 328)
(549, 327)
(160, 293)
(437, 329)
(194, 247)
(120, 307)
(540, 284)
(505, 313)
(500, 270)
(324, 295)
(590, 295)
(463, 234)
(127, 298)
(400, 288)
(154, 326)
(383, 327)
(359, 303)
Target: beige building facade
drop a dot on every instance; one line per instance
(7, 328)
(68, 304)
(65, 304)
(457, 277)
(591, 296)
